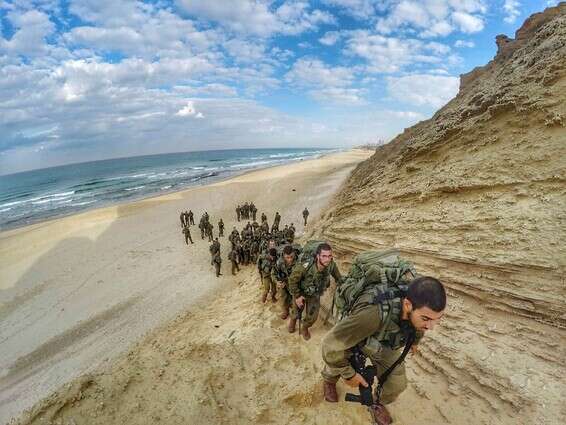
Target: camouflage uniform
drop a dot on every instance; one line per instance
(187, 233)
(217, 261)
(233, 257)
(305, 280)
(280, 273)
(220, 228)
(264, 265)
(382, 340)
(305, 215)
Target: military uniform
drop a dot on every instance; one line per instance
(191, 218)
(378, 330)
(220, 228)
(233, 257)
(305, 215)
(264, 265)
(305, 280)
(187, 233)
(217, 261)
(280, 273)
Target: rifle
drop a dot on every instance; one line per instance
(300, 316)
(369, 373)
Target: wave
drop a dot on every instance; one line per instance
(134, 188)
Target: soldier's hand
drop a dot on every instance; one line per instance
(300, 302)
(356, 380)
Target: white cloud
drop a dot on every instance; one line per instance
(468, 23)
(464, 43)
(257, 17)
(512, 10)
(423, 89)
(314, 72)
(392, 54)
(431, 18)
(330, 38)
(31, 29)
(338, 96)
(189, 111)
(362, 9)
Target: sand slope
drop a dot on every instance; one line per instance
(78, 291)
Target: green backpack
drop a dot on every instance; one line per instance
(309, 251)
(383, 269)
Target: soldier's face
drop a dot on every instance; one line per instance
(324, 258)
(288, 258)
(424, 318)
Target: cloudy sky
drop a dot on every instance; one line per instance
(93, 79)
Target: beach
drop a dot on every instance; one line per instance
(78, 291)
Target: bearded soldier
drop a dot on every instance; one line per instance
(380, 326)
(307, 283)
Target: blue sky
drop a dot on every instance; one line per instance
(92, 79)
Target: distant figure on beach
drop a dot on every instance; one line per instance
(217, 261)
(220, 228)
(187, 233)
(308, 281)
(276, 222)
(214, 248)
(305, 215)
(253, 210)
(182, 217)
(191, 218)
(209, 228)
(238, 212)
(263, 218)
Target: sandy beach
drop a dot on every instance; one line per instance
(78, 291)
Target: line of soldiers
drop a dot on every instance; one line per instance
(376, 328)
(246, 211)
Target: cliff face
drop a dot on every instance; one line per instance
(476, 196)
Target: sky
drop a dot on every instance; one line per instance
(84, 80)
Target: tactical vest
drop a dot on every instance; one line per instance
(393, 332)
(282, 270)
(265, 266)
(314, 282)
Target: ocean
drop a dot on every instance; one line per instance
(33, 196)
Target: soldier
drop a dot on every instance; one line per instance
(233, 257)
(182, 217)
(264, 265)
(202, 227)
(191, 218)
(280, 275)
(238, 212)
(276, 221)
(220, 228)
(234, 237)
(381, 327)
(217, 261)
(307, 283)
(263, 218)
(305, 215)
(209, 228)
(214, 248)
(253, 211)
(187, 233)
(292, 231)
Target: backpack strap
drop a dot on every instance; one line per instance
(383, 377)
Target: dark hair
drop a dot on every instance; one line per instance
(273, 252)
(323, 247)
(426, 291)
(288, 250)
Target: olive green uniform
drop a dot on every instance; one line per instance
(305, 280)
(187, 233)
(280, 272)
(217, 261)
(233, 257)
(380, 339)
(264, 265)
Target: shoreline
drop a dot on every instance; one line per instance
(201, 183)
(235, 174)
(78, 291)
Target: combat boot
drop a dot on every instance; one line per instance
(292, 325)
(330, 393)
(380, 414)
(305, 333)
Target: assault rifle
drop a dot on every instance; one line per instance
(369, 373)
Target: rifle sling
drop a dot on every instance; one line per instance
(383, 377)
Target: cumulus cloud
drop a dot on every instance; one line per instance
(32, 27)
(464, 43)
(423, 89)
(258, 17)
(512, 10)
(189, 111)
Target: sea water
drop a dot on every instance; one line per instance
(37, 195)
